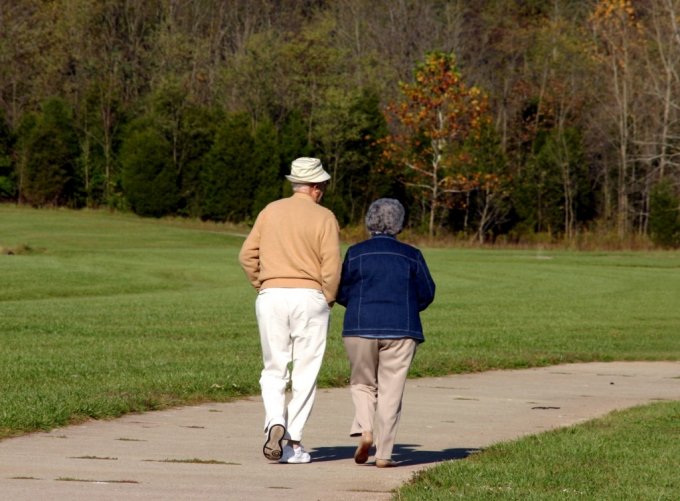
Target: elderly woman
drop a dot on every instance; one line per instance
(385, 285)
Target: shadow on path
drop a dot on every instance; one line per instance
(404, 454)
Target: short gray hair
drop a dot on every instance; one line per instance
(306, 187)
(385, 216)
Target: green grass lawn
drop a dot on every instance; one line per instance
(629, 455)
(103, 314)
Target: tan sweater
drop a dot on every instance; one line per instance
(294, 243)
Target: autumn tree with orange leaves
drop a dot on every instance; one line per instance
(433, 125)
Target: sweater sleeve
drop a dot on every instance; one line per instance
(249, 256)
(330, 259)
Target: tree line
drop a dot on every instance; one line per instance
(487, 118)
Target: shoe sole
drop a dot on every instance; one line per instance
(273, 449)
(361, 454)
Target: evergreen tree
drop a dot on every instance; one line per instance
(293, 143)
(267, 162)
(198, 128)
(347, 132)
(7, 175)
(179, 134)
(229, 175)
(537, 189)
(99, 123)
(664, 215)
(553, 190)
(485, 209)
(49, 149)
(149, 177)
(365, 181)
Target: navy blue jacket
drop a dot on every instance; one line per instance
(385, 285)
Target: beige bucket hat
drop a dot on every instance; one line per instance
(307, 171)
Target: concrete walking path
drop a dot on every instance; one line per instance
(214, 451)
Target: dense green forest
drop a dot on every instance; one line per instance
(489, 118)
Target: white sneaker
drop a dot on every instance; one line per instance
(292, 455)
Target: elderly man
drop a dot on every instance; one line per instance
(292, 258)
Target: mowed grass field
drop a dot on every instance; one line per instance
(102, 314)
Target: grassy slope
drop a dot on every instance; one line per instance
(106, 314)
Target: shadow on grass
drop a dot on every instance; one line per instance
(404, 454)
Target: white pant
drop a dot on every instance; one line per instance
(293, 327)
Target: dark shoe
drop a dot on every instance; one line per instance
(385, 463)
(272, 447)
(361, 454)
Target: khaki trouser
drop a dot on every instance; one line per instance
(378, 375)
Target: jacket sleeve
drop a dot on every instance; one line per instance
(425, 284)
(343, 291)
